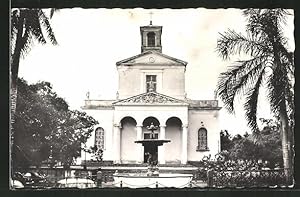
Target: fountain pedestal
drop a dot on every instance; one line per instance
(152, 144)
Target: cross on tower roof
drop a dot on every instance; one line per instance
(150, 13)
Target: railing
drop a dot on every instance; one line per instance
(202, 178)
(73, 178)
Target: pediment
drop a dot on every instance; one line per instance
(152, 57)
(150, 98)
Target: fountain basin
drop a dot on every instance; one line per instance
(152, 142)
(134, 180)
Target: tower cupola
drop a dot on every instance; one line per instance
(151, 38)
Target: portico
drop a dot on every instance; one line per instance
(131, 123)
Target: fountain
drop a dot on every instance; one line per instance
(152, 179)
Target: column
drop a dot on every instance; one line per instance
(117, 143)
(161, 149)
(184, 145)
(139, 136)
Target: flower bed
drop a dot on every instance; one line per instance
(238, 173)
(254, 178)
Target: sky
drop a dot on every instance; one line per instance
(91, 41)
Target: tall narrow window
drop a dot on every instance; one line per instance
(151, 39)
(202, 139)
(151, 83)
(99, 138)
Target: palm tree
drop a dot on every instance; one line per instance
(270, 66)
(26, 26)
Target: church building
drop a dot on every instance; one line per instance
(151, 90)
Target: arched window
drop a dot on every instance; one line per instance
(202, 139)
(151, 39)
(99, 138)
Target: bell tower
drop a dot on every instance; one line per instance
(151, 38)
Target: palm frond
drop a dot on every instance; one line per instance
(266, 24)
(254, 26)
(33, 24)
(271, 22)
(52, 11)
(287, 57)
(232, 43)
(279, 13)
(251, 12)
(46, 24)
(250, 104)
(247, 81)
(26, 42)
(238, 79)
(254, 15)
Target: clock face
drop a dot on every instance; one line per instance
(151, 59)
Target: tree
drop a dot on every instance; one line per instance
(34, 121)
(249, 147)
(245, 149)
(268, 148)
(226, 140)
(74, 131)
(46, 126)
(97, 153)
(270, 63)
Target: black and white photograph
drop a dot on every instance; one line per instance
(151, 98)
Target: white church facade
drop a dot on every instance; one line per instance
(152, 90)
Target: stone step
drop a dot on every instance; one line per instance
(139, 167)
(167, 168)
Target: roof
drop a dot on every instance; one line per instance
(151, 52)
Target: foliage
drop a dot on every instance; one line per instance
(267, 47)
(97, 153)
(226, 141)
(245, 149)
(265, 145)
(46, 126)
(34, 25)
(270, 66)
(251, 178)
(227, 172)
